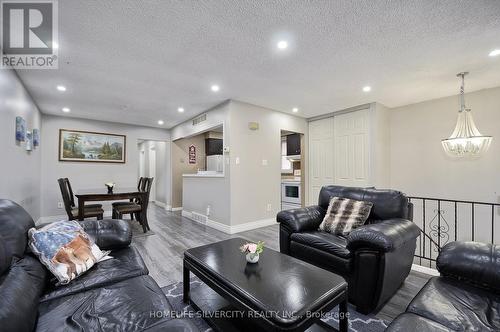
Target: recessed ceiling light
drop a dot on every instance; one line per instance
(160, 122)
(180, 110)
(495, 52)
(367, 88)
(61, 88)
(295, 110)
(282, 44)
(215, 88)
(66, 110)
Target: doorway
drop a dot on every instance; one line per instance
(152, 172)
(154, 162)
(292, 165)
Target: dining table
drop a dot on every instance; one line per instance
(97, 195)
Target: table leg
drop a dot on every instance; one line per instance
(185, 283)
(81, 208)
(343, 316)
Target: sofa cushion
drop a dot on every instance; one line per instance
(472, 262)
(411, 322)
(387, 204)
(126, 263)
(108, 234)
(332, 244)
(129, 305)
(344, 215)
(20, 289)
(321, 258)
(458, 306)
(14, 224)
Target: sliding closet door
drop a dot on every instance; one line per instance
(352, 150)
(320, 156)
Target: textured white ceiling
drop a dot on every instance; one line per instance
(137, 61)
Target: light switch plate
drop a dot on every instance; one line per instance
(264, 162)
(237, 160)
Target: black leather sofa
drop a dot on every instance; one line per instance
(374, 259)
(115, 295)
(466, 297)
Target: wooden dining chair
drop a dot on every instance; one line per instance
(141, 186)
(72, 197)
(137, 209)
(71, 210)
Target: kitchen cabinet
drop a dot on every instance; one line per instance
(293, 145)
(213, 146)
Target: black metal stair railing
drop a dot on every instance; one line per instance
(445, 220)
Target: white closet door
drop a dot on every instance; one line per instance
(321, 163)
(352, 150)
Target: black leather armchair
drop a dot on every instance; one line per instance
(114, 295)
(375, 258)
(466, 297)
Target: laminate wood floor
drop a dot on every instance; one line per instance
(173, 234)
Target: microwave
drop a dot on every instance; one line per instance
(290, 193)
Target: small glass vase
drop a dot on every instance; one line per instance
(252, 258)
(110, 189)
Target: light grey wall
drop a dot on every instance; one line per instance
(89, 175)
(200, 192)
(20, 180)
(254, 185)
(215, 117)
(419, 165)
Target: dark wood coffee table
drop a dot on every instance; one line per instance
(279, 293)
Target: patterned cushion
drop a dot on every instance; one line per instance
(65, 249)
(344, 215)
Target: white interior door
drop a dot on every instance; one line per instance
(152, 172)
(321, 162)
(352, 150)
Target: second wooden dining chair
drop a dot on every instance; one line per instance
(136, 208)
(141, 186)
(90, 211)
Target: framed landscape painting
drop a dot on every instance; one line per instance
(87, 146)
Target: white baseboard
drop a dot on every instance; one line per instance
(426, 270)
(231, 229)
(176, 208)
(161, 204)
(248, 226)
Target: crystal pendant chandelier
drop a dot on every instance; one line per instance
(466, 140)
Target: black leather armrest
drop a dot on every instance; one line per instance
(473, 262)
(108, 234)
(299, 220)
(385, 236)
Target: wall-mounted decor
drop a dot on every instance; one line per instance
(76, 145)
(29, 141)
(192, 154)
(36, 137)
(20, 129)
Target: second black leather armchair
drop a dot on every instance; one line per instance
(375, 258)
